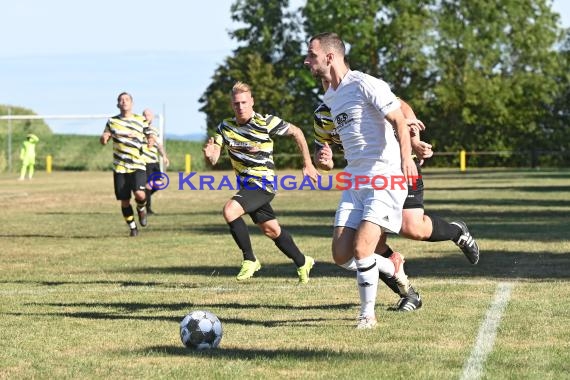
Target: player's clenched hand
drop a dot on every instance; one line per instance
(325, 154)
(105, 138)
(422, 149)
(209, 148)
(415, 124)
(311, 172)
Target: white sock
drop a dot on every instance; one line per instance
(385, 265)
(349, 265)
(380, 262)
(367, 280)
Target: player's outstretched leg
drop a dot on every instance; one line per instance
(467, 243)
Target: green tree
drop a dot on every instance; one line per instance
(556, 128)
(273, 31)
(495, 72)
(386, 39)
(481, 75)
(250, 68)
(267, 58)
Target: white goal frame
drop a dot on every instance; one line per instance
(9, 118)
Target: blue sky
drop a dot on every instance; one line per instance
(74, 57)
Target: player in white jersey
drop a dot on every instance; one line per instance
(366, 113)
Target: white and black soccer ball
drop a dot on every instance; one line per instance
(201, 330)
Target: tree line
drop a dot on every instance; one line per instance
(482, 75)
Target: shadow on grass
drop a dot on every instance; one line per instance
(493, 264)
(259, 354)
(104, 282)
(79, 212)
(282, 270)
(133, 307)
(49, 236)
(98, 315)
(182, 309)
(522, 203)
(525, 225)
(522, 226)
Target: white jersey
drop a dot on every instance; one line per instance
(358, 107)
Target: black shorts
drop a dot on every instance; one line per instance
(256, 204)
(153, 167)
(125, 183)
(415, 197)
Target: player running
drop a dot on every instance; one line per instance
(249, 139)
(129, 132)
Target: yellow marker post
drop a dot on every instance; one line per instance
(462, 160)
(188, 163)
(48, 164)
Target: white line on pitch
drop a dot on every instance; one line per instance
(473, 369)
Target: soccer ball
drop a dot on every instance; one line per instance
(201, 330)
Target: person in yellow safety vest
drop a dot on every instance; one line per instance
(28, 156)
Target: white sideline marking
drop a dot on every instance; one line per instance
(473, 369)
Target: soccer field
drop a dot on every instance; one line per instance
(80, 299)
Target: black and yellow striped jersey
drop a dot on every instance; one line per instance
(129, 135)
(250, 147)
(150, 155)
(324, 128)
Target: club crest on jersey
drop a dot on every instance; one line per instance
(341, 120)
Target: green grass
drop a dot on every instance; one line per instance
(80, 152)
(79, 299)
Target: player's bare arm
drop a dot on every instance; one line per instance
(396, 118)
(413, 122)
(308, 167)
(211, 151)
(420, 148)
(162, 152)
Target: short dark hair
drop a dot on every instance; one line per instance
(124, 93)
(331, 41)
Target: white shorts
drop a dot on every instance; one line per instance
(381, 207)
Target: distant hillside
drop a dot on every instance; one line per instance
(189, 137)
(22, 127)
(18, 129)
(81, 152)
